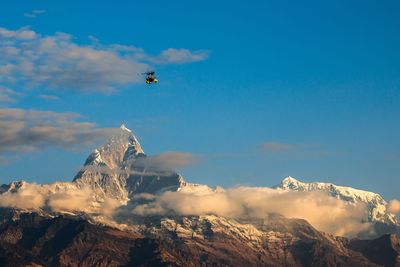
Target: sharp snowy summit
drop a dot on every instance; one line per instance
(120, 169)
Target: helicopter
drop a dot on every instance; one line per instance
(150, 77)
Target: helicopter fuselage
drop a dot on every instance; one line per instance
(151, 79)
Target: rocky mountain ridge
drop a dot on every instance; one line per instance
(34, 240)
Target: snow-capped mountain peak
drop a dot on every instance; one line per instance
(118, 169)
(290, 182)
(376, 205)
(13, 186)
(123, 127)
(122, 145)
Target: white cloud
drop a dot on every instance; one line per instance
(21, 34)
(27, 130)
(394, 206)
(178, 56)
(277, 147)
(322, 211)
(49, 97)
(70, 200)
(26, 198)
(8, 95)
(34, 13)
(57, 197)
(57, 62)
(296, 150)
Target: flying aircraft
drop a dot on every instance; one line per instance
(150, 77)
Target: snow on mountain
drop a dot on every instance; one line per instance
(120, 170)
(202, 227)
(12, 187)
(377, 211)
(120, 147)
(123, 127)
(117, 170)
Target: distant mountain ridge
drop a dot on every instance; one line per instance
(120, 170)
(377, 211)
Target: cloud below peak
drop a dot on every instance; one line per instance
(394, 206)
(324, 212)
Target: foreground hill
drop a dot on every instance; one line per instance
(35, 240)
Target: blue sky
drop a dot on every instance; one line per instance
(264, 89)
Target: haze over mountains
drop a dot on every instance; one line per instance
(150, 207)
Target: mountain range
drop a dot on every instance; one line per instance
(124, 208)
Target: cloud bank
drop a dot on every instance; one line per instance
(57, 62)
(57, 197)
(322, 211)
(27, 130)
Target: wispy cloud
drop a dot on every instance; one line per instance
(34, 13)
(278, 147)
(297, 150)
(49, 97)
(164, 164)
(57, 62)
(8, 95)
(27, 130)
(167, 161)
(179, 56)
